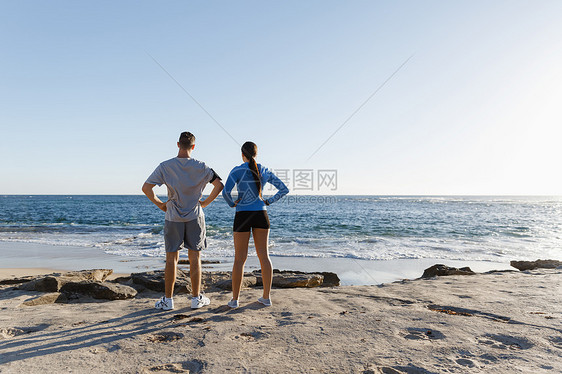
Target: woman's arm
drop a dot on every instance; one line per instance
(282, 189)
(229, 185)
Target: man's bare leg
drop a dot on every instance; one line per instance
(170, 272)
(195, 271)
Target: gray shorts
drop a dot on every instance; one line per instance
(191, 234)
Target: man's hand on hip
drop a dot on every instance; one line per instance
(163, 207)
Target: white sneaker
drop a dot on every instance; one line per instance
(233, 303)
(266, 302)
(199, 301)
(164, 305)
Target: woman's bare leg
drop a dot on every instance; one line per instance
(241, 240)
(261, 238)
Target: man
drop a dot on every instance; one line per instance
(184, 224)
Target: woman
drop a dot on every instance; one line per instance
(251, 215)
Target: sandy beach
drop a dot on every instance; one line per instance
(502, 322)
(395, 160)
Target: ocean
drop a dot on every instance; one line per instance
(361, 227)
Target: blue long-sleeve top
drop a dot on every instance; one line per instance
(242, 177)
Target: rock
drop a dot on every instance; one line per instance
(54, 282)
(123, 280)
(330, 279)
(538, 264)
(7, 333)
(49, 298)
(9, 281)
(500, 271)
(98, 275)
(166, 368)
(100, 290)
(154, 280)
(209, 279)
(48, 283)
(203, 262)
(297, 280)
(442, 270)
(128, 281)
(247, 281)
(290, 279)
(221, 280)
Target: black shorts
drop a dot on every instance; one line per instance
(245, 220)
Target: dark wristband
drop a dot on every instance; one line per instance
(215, 176)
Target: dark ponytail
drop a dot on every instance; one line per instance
(250, 150)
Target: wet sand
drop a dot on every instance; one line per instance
(351, 271)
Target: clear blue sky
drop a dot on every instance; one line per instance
(477, 109)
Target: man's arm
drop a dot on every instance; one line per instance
(217, 188)
(147, 188)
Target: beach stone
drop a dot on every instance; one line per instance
(500, 271)
(98, 275)
(48, 283)
(128, 281)
(154, 280)
(538, 264)
(443, 270)
(123, 280)
(54, 282)
(209, 279)
(203, 262)
(247, 281)
(7, 333)
(20, 280)
(292, 279)
(100, 290)
(330, 279)
(49, 298)
(166, 368)
(222, 280)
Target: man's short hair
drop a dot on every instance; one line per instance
(187, 140)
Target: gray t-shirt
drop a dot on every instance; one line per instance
(185, 178)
